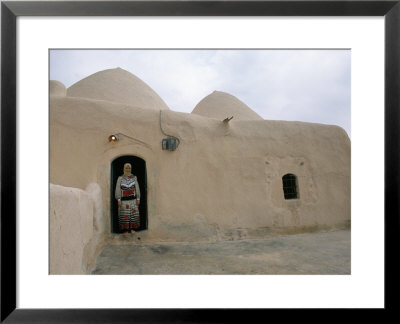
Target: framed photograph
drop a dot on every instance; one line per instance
(36, 281)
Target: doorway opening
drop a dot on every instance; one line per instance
(139, 170)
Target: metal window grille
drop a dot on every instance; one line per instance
(290, 186)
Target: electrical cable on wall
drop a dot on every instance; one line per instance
(170, 143)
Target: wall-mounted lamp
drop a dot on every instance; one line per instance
(116, 137)
(113, 138)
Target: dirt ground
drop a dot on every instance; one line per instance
(314, 253)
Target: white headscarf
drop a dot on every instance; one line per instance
(126, 173)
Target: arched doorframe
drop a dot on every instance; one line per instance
(138, 169)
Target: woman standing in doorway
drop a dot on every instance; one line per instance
(127, 193)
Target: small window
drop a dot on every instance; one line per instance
(290, 186)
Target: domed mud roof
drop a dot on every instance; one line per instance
(221, 105)
(57, 88)
(117, 85)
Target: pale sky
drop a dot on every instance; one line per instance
(295, 85)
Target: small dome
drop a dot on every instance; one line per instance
(57, 89)
(221, 105)
(117, 85)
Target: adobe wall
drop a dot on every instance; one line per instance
(223, 182)
(76, 229)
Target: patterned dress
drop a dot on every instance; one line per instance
(127, 190)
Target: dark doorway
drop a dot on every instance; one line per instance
(139, 170)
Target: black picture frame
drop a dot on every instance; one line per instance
(10, 10)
